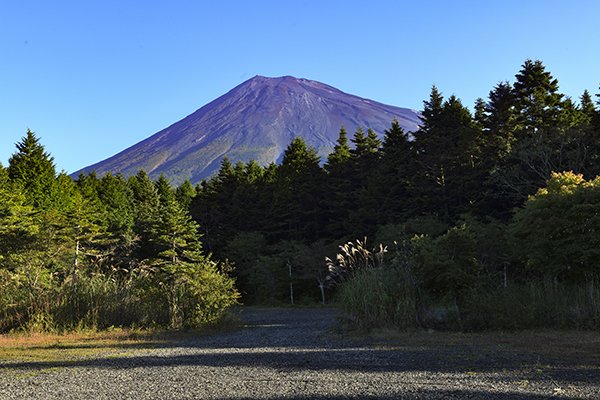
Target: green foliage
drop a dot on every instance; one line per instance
(32, 168)
(447, 264)
(341, 152)
(557, 231)
(100, 252)
(114, 251)
(164, 190)
(536, 304)
(116, 198)
(185, 193)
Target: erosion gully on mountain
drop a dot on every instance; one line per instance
(300, 353)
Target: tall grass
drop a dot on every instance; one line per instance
(99, 301)
(533, 305)
(391, 294)
(382, 293)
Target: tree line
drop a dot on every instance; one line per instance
(95, 253)
(472, 204)
(459, 171)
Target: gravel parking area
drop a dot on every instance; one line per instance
(296, 354)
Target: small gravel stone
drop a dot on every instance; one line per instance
(294, 354)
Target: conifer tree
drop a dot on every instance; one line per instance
(185, 193)
(146, 204)
(117, 199)
(341, 152)
(195, 291)
(362, 212)
(586, 105)
(164, 190)
(33, 169)
(540, 132)
(17, 226)
(394, 175)
(211, 207)
(446, 153)
(297, 193)
(583, 139)
(537, 100)
(337, 198)
(361, 144)
(499, 123)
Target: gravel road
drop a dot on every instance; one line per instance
(296, 354)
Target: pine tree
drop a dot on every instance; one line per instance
(33, 169)
(17, 226)
(394, 175)
(185, 193)
(500, 123)
(297, 194)
(446, 153)
(299, 159)
(341, 152)
(361, 144)
(164, 190)
(211, 207)
(146, 202)
(337, 198)
(587, 107)
(583, 150)
(395, 143)
(537, 100)
(362, 210)
(195, 291)
(539, 134)
(117, 199)
(432, 109)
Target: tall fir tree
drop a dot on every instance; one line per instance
(146, 204)
(164, 190)
(341, 152)
(447, 158)
(297, 197)
(337, 198)
(539, 134)
(185, 193)
(33, 169)
(394, 175)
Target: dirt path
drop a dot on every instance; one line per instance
(294, 353)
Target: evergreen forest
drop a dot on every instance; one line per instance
(479, 220)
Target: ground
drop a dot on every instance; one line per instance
(300, 353)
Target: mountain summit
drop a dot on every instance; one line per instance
(255, 120)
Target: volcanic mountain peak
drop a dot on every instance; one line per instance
(255, 120)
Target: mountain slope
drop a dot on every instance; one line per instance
(255, 120)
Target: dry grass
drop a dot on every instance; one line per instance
(61, 347)
(32, 347)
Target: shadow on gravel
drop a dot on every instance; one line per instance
(433, 394)
(291, 340)
(349, 359)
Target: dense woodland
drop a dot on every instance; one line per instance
(482, 220)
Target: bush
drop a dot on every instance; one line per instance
(98, 301)
(454, 282)
(557, 232)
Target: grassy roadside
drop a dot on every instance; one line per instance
(581, 347)
(61, 347)
(35, 347)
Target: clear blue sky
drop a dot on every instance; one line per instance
(94, 77)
